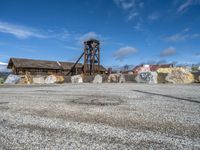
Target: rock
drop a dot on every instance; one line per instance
(77, 79)
(98, 79)
(164, 70)
(122, 79)
(54, 79)
(196, 75)
(169, 70)
(12, 79)
(162, 78)
(154, 79)
(113, 78)
(50, 79)
(180, 76)
(26, 79)
(60, 79)
(38, 80)
(147, 77)
(89, 79)
(116, 78)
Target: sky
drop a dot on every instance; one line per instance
(131, 32)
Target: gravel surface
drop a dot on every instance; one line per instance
(100, 116)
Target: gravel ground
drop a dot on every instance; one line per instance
(100, 116)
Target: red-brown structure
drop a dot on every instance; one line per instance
(91, 57)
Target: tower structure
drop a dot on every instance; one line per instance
(91, 57)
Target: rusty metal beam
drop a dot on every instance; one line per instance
(73, 67)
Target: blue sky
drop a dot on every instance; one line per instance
(131, 31)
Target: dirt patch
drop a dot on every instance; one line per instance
(1, 103)
(98, 100)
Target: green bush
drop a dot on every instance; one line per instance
(1, 80)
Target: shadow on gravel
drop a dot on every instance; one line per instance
(169, 96)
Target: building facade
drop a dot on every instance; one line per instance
(21, 66)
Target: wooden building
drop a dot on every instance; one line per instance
(21, 66)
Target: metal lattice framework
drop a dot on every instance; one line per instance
(91, 57)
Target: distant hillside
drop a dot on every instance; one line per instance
(3, 67)
(4, 72)
(4, 75)
(121, 68)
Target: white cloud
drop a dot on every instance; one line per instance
(131, 7)
(65, 34)
(5, 64)
(138, 27)
(168, 52)
(132, 15)
(182, 36)
(125, 4)
(176, 37)
(154, 16)
(184, 6)
(60, 34)
(89, 35)
(20, 32)
(124, 52)
(186, 30)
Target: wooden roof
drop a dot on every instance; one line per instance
(44, 64)
(40, 64)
